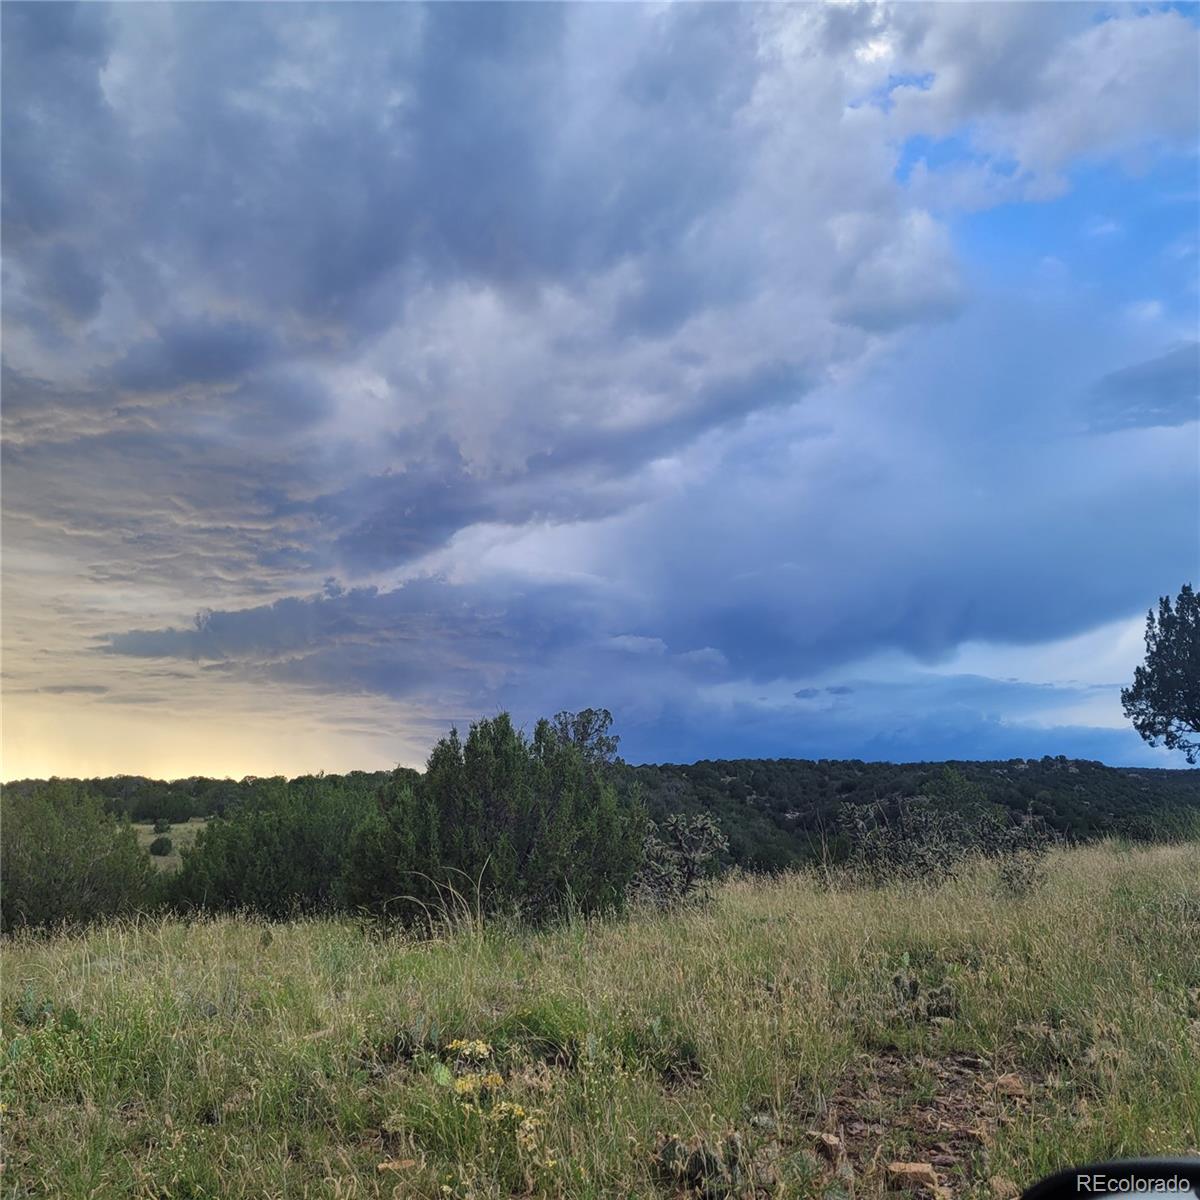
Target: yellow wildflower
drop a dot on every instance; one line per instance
(470, 1048)
(506, 1109)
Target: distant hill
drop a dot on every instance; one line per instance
(778, 812)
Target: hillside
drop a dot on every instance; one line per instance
(789, 1041)
(777, 811)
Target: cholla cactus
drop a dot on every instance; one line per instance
(714, 1170)
(681, 856)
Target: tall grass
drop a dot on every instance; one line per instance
(235, 1058)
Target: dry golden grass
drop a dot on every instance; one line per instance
(997, 1036)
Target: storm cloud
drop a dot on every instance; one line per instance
(380, 366)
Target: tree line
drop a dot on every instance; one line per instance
(772, 809)
(537, 825)
(529, 825)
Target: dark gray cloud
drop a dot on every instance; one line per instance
(195, 353)
(69, 283)
(412, 616)
(1163, 391)
(323, 163)
(52, 59)
(426, 639)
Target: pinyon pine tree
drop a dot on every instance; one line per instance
(1164, 701)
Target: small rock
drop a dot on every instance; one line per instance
(828, 1143)
(974, 1062)
(396, 1164)
(920, 1177)
(1003, 1188)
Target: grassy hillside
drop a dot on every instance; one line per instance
(990, 1037)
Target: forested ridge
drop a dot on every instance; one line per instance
(783, 811)
(776, 812)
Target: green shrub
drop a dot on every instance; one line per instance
(63, 858)
(162, 825)
(161, 847)
(1160, 825)
(502, 822)
(280, 852)
(929, 838)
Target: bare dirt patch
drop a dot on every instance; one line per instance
(942, 1111)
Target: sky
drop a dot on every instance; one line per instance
(793, 381)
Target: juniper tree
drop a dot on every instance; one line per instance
(514, 823)
(63, 858)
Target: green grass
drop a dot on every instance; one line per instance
(993, 1036)
(181, 835)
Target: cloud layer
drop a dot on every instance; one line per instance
(684, 359)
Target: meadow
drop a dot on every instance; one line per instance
(182, 834)
(791, 1038)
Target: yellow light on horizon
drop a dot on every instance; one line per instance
(44, 736)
